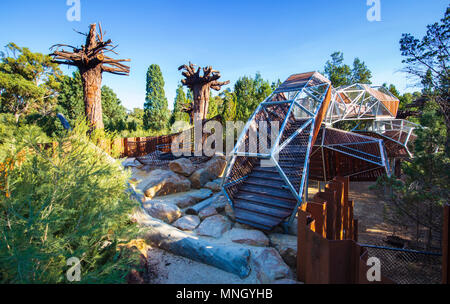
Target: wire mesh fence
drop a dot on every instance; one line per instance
(405, 266)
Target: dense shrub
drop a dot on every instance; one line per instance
(63, 202)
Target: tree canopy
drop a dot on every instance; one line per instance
(341, 74)
(29, 82)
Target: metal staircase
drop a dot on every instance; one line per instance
(266, 185)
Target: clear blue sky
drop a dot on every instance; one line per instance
(276, 38)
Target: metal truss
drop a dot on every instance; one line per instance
(395, 130)
(361, 101)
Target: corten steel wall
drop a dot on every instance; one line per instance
(327, 249)
(142, 146)
(445, 249)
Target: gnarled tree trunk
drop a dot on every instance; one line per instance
(92, 92)
(201, 86)
(91, 60)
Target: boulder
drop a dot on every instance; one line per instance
(207, 212)
(230, 212)
(187, 223)
(130, 162)
(182, 166)
(163, 182)
(214, 186)
(165, 212)
(220, 203)
(214, 226)
(210, 171)
(247, 237)
(212, 201)
(269, 266)
(286, 245)
(185, 199)
(228, 258)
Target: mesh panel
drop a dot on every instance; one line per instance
(363, 147)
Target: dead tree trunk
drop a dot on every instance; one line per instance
(90, 59)
(201, 86)
(92, 92)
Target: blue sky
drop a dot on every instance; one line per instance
(276, 38)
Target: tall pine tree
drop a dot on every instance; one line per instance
(180, 103)
(156, 116)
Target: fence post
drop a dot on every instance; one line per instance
(301, 246)
(445, 251)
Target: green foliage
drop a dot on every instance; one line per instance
(228, 105)
(114, 113)
(156, 116)
(70, 98)
(427, 60)
(29, 82)
(417, 198)
(71, 104)
(215, 107)
(70, 202)
(249, 93)
(341, 74)
(180, 103)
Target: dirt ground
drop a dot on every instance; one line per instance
(368, 210)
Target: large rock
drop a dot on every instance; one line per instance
(165, 212)
(216, 201)
(211, 171)
(163, 182)
(214, 226)
(187, 223)
(214, 185)
(182, 166)
(247, 237)
(207, 212)
(232, 259)
(286, 245)
(230, 212)
(185, 199)
(269, 266)
(220, 203)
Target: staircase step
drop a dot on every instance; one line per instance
(263, 209)
(256, 218)
(279, 184)
(286, 194)
(254, 225)
(265, 175)
(262, 199)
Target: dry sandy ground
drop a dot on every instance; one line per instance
(368, 210)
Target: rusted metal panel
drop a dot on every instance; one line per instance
(445, 249)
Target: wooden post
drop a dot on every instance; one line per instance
(125, 147)
(301, 243)
(445, 249)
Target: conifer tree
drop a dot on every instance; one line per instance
(156, 116)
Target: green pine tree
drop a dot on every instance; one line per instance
(180, 103)
(156, 116)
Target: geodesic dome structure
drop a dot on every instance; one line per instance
(268, 170)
